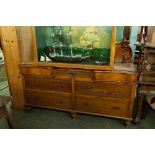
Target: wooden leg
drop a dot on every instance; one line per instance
(127, 123)
(10, 122)
(140, 105)
(73, 115)
(8, 119)
(143, 110)
(4, 114)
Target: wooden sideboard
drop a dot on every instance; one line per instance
(103, 93)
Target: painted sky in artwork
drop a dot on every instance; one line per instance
(91, 36)
(81, 36)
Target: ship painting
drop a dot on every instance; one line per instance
(67, 44)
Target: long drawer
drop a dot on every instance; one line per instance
(48, 83)
(99, 88)
(42, 98)
(102, 105)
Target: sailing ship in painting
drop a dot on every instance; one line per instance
(64, 46)
(64, 52)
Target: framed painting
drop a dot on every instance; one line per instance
(75, 46)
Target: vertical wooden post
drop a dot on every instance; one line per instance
(12, 61)
(112, 55)
(34, 44)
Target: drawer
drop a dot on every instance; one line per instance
(40, 71)
(102, 105)
(78, 74)
(147, 88)
(100, 88)
(47, 83)
(149, 77)
(42, 98)
(117, 77)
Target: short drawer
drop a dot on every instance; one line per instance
(78, 74)
(117, 77)
(100, 88)
(102, 105)
(47, 83)
(42, 98)
(40, 71)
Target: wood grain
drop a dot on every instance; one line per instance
(24, 37)
(43, 71)
(37, 97)
(12, 61)
(102, 105)
(45, 83)
(115, 76)
(100, 88)
(105, 93)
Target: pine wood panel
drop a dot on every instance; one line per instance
(34, 45)
(112, 52)
(24, 37)
(12, 61)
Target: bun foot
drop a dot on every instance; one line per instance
(127, 123)
(136, 120)
(73, 115)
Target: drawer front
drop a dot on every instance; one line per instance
(40, 71)
(99, 88)
(117, 77)
(102, 105)
(78, 74)
(149, 77)
(147, 88)
(47, 99)
(47, 83)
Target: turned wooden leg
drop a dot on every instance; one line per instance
(143, 110)
(140, 105)
(4, 114)
(127, 123)
(10, 122)
(73, 115)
